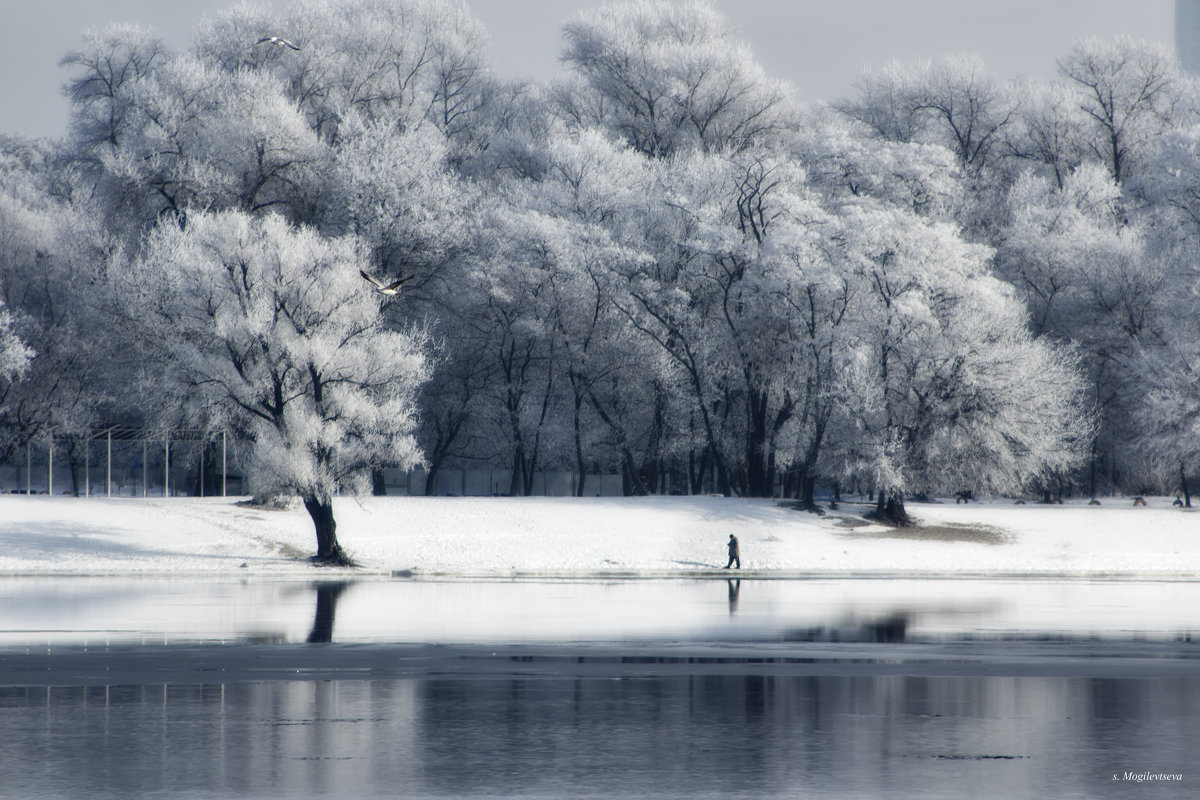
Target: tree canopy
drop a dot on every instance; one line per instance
(659, 265)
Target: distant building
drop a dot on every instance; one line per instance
(1187, 34)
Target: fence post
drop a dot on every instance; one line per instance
(87, 465)
(108, 471)
(224, 473)
(166, 464)
(50, 469)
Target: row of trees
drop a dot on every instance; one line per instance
(659, 263)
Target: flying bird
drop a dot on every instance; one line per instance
(278, 40)
(390, 289)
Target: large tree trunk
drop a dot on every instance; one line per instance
(757, 474)
(697, 471)
(328, 550)
(516, 484)
(580, 462)
(633, 481)
(889, 509)
(438, 453)
(808, 491)
(761, 442)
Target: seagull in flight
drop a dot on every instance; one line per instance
(391, 289)
(278, 40)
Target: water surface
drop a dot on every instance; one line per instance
(79, 610)
(617, 689)
(680, 736)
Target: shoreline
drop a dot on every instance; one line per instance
(317, 575)
(551, 538)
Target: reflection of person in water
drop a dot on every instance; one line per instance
(735, 586)
(735, 555)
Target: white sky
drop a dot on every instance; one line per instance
(818, 45)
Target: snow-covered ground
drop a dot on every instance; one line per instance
(642, 537)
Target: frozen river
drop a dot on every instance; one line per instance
(760, 689)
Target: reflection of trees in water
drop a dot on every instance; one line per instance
(740, 733)
(710, 735)
(327, 597)
(1111, 706)
(891, 628)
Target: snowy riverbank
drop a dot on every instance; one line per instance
(634, 537)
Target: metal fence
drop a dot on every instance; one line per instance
(123, 461)
(496, 482)
(120, 461)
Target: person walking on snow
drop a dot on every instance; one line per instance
(735, 555)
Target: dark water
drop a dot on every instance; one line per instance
(680, 736)
(822, 689)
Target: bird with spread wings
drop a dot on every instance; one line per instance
(278, 40)
(389, 289)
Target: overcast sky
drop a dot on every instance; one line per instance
(818, 45)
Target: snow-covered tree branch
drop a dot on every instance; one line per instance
(262, 328)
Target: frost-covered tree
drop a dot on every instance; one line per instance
(617, 398)
(665, 76)
(672, 293)
(404, 63)
(724, 287)
(1053, 236)
(50, 254)
(514, 306)
(1083, 241)
(948, 388)
(232, 124)
(194, 137)
(844, 161)
(1163, 364)
(14, 356)
(395, 192)
(658, 265)
(1048, 130)
(14, 362)
(884, 103)
(954, 102)
(1172, 187)
(764, 257)
(103, 90)
(1089, 279)
(1129, 93)
(1167, 420)
(266, 329)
